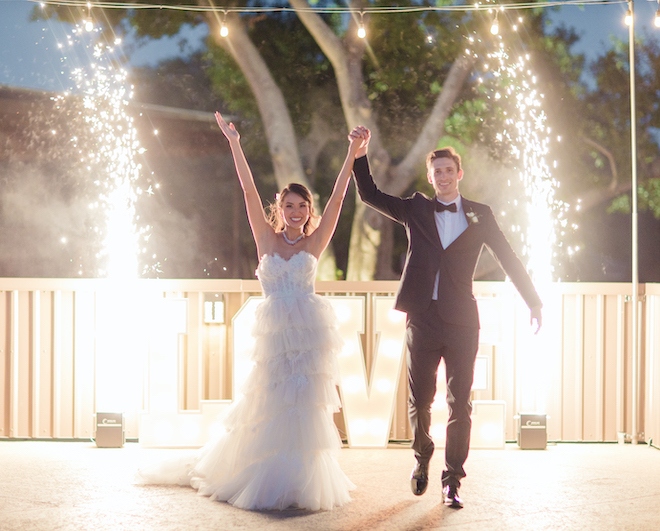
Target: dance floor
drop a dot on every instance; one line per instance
(77, 486)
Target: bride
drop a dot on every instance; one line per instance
(280, 445)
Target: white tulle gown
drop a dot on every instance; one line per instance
(280, 447)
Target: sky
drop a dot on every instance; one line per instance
(30, 58)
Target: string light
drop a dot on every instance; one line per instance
(361, 32)
(464, 8)
(495, 28)
(88, 22)
(629, 18)
(327, 9)
(224, 30)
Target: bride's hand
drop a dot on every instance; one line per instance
(361, 136)
(227, 129)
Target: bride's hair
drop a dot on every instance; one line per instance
(274, 217)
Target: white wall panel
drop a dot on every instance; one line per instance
(577, 370)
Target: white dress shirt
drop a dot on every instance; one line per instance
(450, 226)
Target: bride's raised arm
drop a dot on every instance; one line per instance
(261, 229)
(358, 138)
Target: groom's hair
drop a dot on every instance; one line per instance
(444, 153)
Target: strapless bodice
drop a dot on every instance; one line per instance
(286, 278)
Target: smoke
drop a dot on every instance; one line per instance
(44, 232)
(51, 233)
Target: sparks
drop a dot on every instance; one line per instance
(528, 144)
(110, 160)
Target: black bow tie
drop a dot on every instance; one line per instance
(439, 207)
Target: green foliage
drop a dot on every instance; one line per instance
(178, 83)
(649, 196)
(405, 67)
(648, 199)
(301, 71)
(607, 119)
(466, 120)
(410, 56)
(620, 204)
(228, 82)
(156, 23)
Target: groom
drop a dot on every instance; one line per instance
(445, 238)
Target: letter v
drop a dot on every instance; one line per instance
(368, 403)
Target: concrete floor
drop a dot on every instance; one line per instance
(76, 486)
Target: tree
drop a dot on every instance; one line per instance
(359, 87)
(608, 127)
(371, 241)
(409, 81)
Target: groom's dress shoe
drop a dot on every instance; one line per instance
(419, 479)
(451, 497)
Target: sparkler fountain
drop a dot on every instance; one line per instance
(527, 137)
(512, 89)
(109, 149)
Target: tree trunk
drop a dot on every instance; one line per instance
(280, 134)
(366, 238)
(274, 113)
(365, 260)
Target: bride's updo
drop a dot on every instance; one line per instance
(276, 220)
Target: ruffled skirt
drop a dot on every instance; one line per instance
(280, 445)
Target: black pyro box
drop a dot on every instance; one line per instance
(110, 430)
(532, 431)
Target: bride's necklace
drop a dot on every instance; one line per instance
(292, 242)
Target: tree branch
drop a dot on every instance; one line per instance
(346, 59)
(402, 175)
(275, 115)
(615, 176)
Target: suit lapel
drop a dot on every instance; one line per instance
(432, 225)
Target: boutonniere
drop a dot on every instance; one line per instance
(472, 217)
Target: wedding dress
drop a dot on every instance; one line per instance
(280, 445)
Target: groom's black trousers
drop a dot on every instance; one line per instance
(429, 339)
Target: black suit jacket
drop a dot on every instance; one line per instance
(456, 263)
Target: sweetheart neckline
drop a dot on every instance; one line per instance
(277, 255)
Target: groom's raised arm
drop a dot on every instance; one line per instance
(388, 205)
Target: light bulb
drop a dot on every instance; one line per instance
(224, 30)
(362, 33)
(629, 18)
(495, 29)
(89, 25)
(657, 19)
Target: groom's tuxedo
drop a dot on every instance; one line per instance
(447, 328)
(456, 264)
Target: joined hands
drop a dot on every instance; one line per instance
(363, 135)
